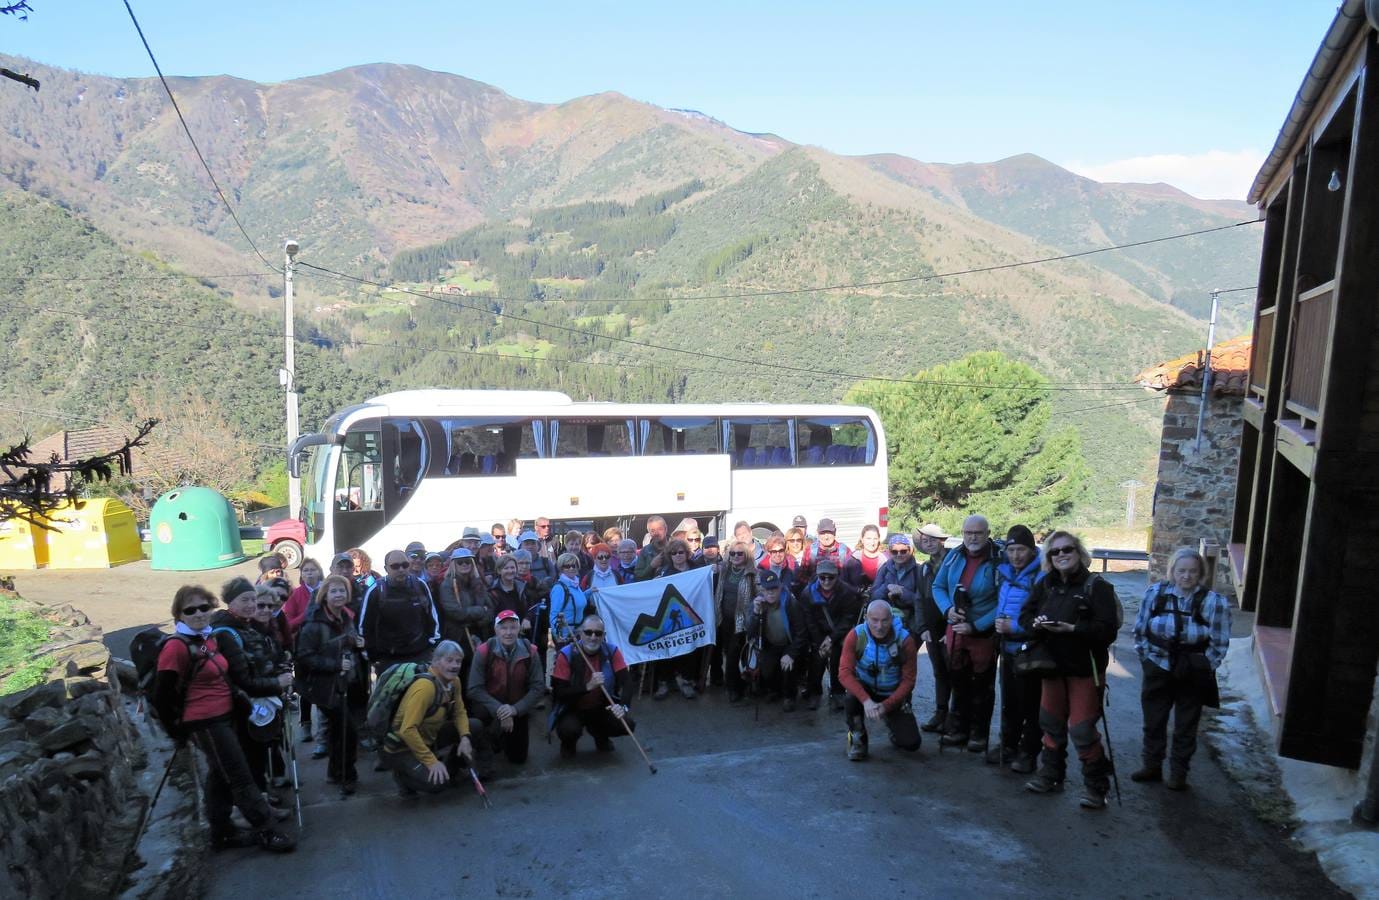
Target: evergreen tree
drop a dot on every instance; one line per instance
(975, 439)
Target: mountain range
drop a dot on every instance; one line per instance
(375, 164)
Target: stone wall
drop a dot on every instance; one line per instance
(74, 774)
(1195, 494)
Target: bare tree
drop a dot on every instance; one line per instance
(30, 490)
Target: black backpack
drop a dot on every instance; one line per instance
(144, 651)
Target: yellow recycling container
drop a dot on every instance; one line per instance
(100, 534)
(23, 546)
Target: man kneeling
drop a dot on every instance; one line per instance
(580, 703)
(430, 725)
(504, 682)
(877, 669)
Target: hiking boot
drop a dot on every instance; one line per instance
(234, 839)
(977, 745)
(687, 690)
(349, 786)
(1044, 783)
(935, 723)
(603, 744)
(567, 749)
(1092, 798)
(812, 701)
(306, 737)
(999, 756)
(1176, 781)
(321, 752)
(857, 747)
(277, 841)
(1147, 773)
(1023, 764)
(953, 739)
(662, 691)
(788, 704)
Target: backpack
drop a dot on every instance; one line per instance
(144, 651)
(859, 644)
(1199, 599)
(387, 694)
(1084, 594)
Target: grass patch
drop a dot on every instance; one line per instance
(21, 632)
(539, 349)
(252, 548)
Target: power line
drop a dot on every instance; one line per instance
(122, 277)
(844, 376)
(166, 87)
(908, 279)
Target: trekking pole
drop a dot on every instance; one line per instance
(1103, 696)
(478, 786)
(995, 710)
(609, 697)
(290, 742)
(148, 810)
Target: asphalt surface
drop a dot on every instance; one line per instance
(759, 802)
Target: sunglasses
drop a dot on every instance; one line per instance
(737, 553)
(827, 577)
(1059, 551)
(776, 550)
(693, 540)
(265, 606)
(591, 633)
(601, 557)
(677, 553)
(197, 610)
(570, 566)
(899, 551)
(397, 567)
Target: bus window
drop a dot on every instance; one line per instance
(835, 441)
(759, 442)
(359, 479)
(491, 446)
(678, 435)
(409, 463)
(592, 437)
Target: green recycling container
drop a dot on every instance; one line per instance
(193, 528)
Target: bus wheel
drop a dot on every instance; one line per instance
(290, 551)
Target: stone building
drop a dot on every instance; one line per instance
(1195, 492)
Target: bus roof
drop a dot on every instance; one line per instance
(457, 403)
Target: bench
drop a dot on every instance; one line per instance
(1106, 556)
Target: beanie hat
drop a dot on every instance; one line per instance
(1021, 535)
(234, 587)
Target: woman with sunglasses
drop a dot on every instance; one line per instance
(777, 560)
(567, 603)
(603, 574)
(1076, 615)
(684, 668)
(466, 607)
(194, 698)
(335, 676)
(733, 594)
(251, 654)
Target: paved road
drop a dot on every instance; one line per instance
(770, 807)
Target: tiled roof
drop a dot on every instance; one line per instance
(1230, 363)
(97, 440)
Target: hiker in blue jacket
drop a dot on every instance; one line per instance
(1020, 734)
(965, 592)
(777, 628)
(897, 581)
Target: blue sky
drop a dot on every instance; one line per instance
(1188, 92)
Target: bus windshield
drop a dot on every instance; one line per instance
(315, 478)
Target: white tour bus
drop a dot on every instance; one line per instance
(421, 465)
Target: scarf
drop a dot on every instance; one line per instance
(184, 629)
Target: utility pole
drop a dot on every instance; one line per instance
(1130, 487)
(287, 376)
(1206, 369)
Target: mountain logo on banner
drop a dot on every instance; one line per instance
(672, 615)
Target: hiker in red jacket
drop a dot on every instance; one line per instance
(878, 671)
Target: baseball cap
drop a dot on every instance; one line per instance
(934, 531)
(527, 536)
(768, 580)
(487, 540)
(415, 549)
(434, 555)
(342, 557)
(826, 567)
(461, 553)
(826, 525)
(504, 616)
(710, 540)
(898, 539)
(799, 522)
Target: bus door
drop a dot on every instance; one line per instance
(381, 464)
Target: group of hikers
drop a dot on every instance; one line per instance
(449, 652)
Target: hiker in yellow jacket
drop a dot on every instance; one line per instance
(430, 730)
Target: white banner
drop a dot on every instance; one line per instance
(660, 618)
